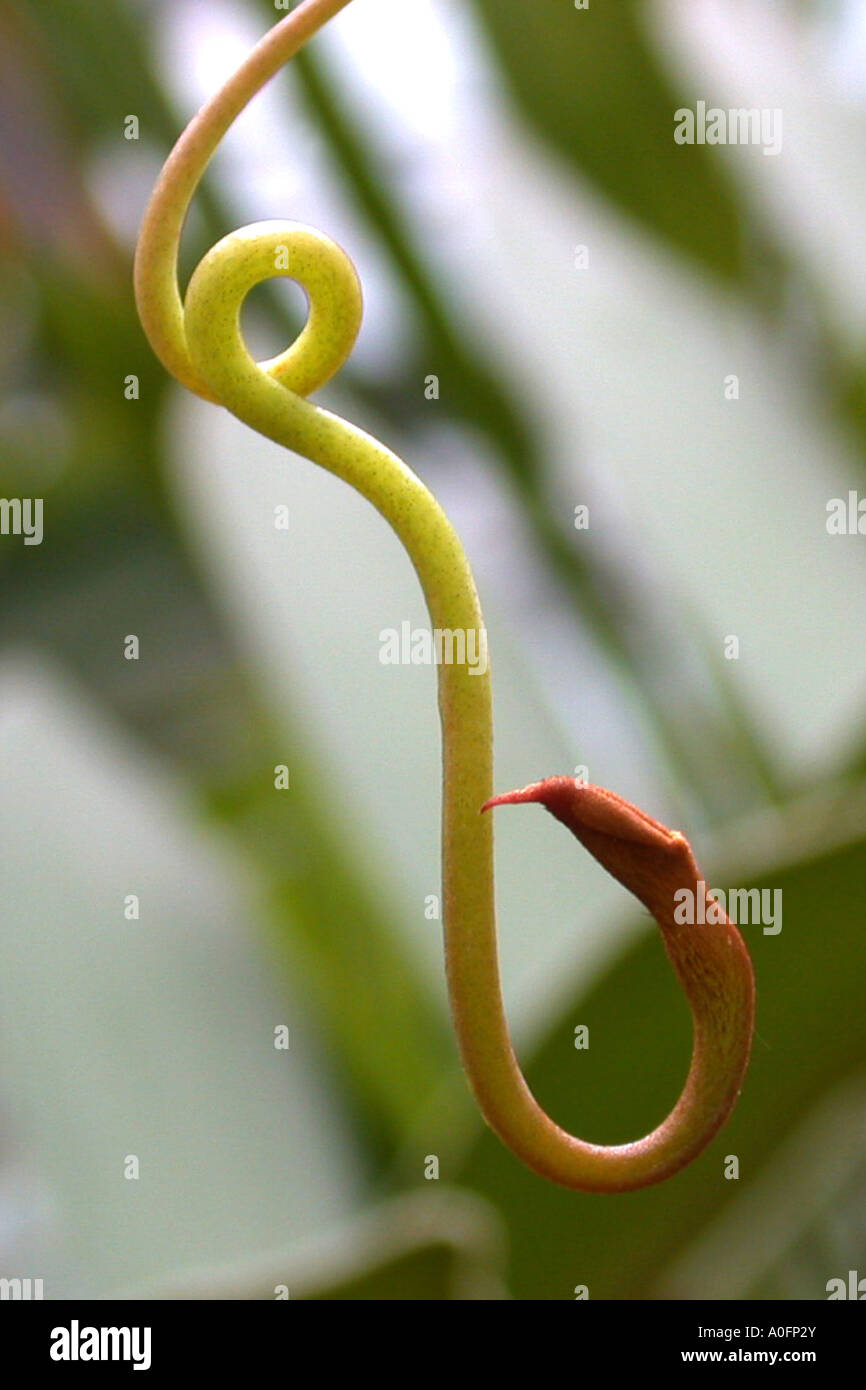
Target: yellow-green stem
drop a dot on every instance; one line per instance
(199, 341)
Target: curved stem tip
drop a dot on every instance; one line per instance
(713, 967)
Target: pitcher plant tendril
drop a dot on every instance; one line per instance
(198, 339)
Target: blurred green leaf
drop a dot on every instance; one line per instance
(191, 700)
(152, 1035)
(589, 83)
(82, 40)
(424, 1246)
(801, 1221)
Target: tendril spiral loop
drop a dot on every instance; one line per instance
(224, 278)
(199, 341)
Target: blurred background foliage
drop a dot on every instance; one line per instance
(463, 153)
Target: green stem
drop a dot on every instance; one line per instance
(200, 342)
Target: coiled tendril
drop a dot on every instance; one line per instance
(199, 341)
